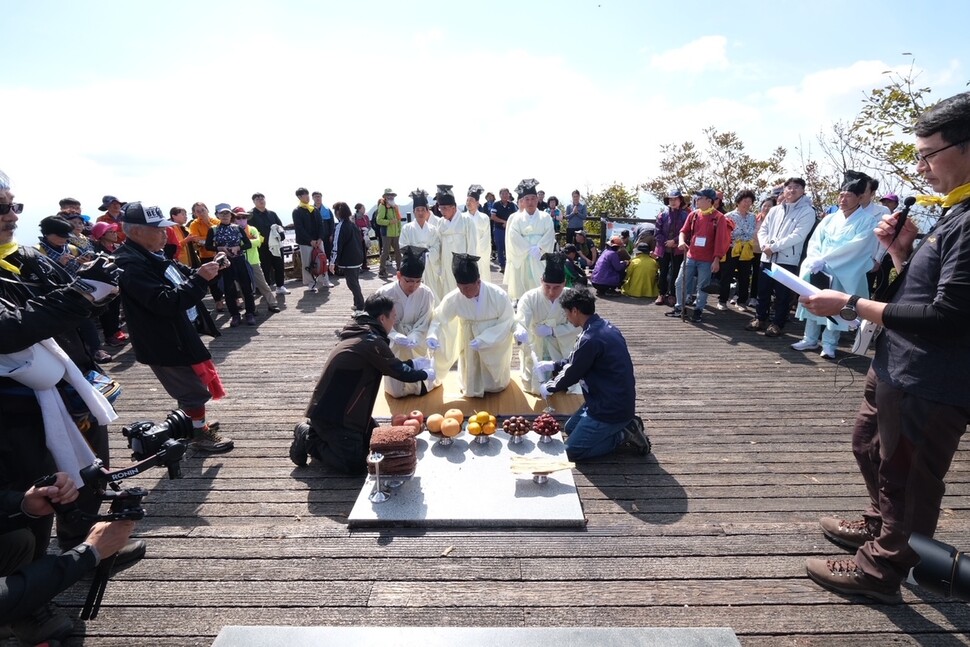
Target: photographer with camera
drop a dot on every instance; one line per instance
(41, 354)
(27, 584)
(163, 302)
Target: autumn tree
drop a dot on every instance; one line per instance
(721, 163)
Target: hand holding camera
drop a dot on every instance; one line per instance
(98, 280)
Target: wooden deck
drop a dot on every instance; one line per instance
(751, 446)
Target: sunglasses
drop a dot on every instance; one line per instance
(16, 207)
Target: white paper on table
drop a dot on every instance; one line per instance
(800, 286)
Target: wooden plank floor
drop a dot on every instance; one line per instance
(751, 446)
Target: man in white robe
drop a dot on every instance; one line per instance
(483, 225)
(840, 252)
(458, 235)
(528, 235)
(541, 328)
(422, 232)
(483, 346)
(414, 304)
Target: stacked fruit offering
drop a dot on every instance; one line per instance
(482, 425)
(546, 426)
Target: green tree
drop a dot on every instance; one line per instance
(613, 202)
(721, 163)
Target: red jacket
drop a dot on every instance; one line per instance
(708, 237)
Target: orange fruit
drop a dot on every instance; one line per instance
(488, 428)
(450, 427)
(474, 428)
(456, 414)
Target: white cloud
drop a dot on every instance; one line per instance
(701, 55)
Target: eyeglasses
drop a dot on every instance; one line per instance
(16, 207)
(925, 157)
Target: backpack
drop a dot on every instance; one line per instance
(318, 265)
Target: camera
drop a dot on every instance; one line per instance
(221, 259)
(942, 569)
(145, 438)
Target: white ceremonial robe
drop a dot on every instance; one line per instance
(523, 271)
(847, 246)
(427, 237)
(413, 320)
(483, 225)
(487, 318)
(532, 310)
(458, 236)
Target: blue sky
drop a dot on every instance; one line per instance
(182, 101)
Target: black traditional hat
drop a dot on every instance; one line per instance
(527, 187)
(445, 196)
(412, 261)
(419, 198)
(55, 225)
(555, 271)
(465, 268)
(855, 182)
(475, 191)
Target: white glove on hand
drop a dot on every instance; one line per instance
(433, 343)
(521, 336)
(817, 266)
(475, 345)
(408, 342)
(544, 331)
(421, 363)
(544, 391)
(397, 338)
(432, 376)
(535, 252)
(545, 367)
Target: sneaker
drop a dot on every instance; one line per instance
(676, 312)
(828, 351)
(635, 438)
(755, 325)
(220, 306)
(804, 345)
(282, 290)
(733, 301)
(773, 331)
(46, 623)
(298, 452)
(753, 302)
(118, 339)
(660, 301)
(250, 319)
(697, 316)
(102, 356)
(208, 439)
(721, 306)
(843, 576)
(273, 309)
(312, 289)
(235, 321)
(850, 534)
(329, 284)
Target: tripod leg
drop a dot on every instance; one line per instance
(95, 594)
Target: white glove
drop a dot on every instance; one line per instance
(544, 331)
(817, 266)
(475, 345)
(535, 252)
(544, 391)
(421, 363)
(432, 376)
(397, 338)
(433, 343)
(545, 367)
(521, 336)
(409, 342)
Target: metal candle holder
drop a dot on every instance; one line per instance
(378, 495)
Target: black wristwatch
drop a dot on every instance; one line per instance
(848, 311)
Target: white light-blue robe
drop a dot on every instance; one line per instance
(523, 271)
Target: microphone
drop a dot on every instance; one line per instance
(900, 223)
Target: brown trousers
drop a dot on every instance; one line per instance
(904, 445)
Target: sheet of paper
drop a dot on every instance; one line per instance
(801, 287)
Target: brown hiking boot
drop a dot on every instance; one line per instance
(851, 534)
(755, 325)
(843, 576)
(773, 331)
(208, 439)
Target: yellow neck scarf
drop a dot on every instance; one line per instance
(706, 212)
(6, 250)
(307, 206)
(956, 196)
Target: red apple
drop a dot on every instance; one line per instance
(417, 415)
(398, 419)
(416, 424)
